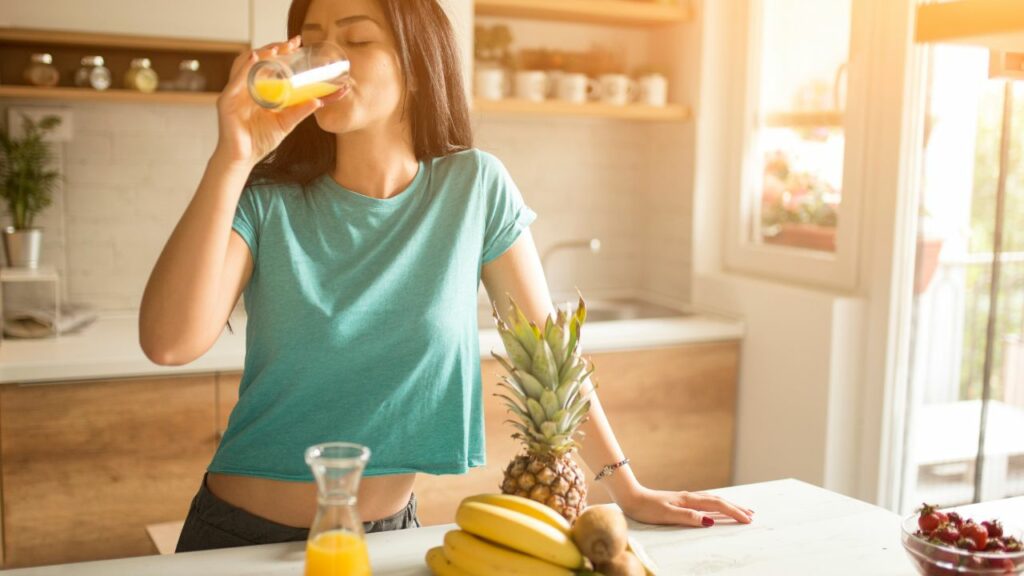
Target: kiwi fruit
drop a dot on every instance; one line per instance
(601, 533)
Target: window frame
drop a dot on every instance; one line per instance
(836, 271)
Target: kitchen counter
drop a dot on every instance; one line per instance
(798, 529)
(109, 348)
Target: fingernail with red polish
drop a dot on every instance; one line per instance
(708, 521)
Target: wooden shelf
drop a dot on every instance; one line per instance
(616, 12)
(67, 49)
(996, 24)
(111, 95)
(827, 119)
(636, 112)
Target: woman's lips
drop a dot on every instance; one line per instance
(336, 95)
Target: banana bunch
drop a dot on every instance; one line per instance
(507, 535)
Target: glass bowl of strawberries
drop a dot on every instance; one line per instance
(945, 543)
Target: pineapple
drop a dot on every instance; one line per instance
(545, 375)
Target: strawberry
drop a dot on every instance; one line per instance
(995, 529)
(976, 533)
(947, 533)
(995, 545)
(930, 519)
(955, 519)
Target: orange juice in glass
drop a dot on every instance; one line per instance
(309, 72)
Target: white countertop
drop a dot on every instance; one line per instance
(798, 529)
(109, 348)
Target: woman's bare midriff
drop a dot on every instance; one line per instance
(294, 503)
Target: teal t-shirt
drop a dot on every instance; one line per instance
(362, 319)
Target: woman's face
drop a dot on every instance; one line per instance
(376, 85)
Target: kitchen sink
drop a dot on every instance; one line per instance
(609, 310)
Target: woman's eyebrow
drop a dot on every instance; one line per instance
(353, 19)
(340, 22)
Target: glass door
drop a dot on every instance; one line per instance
(965, 410)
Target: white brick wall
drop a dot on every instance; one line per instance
(132, 169)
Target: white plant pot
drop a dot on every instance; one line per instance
(22, 247)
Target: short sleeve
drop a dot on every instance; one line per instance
(247, 220)
(507, 215)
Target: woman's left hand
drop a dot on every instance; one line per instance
(681, 508)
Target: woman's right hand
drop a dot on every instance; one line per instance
(247, 131)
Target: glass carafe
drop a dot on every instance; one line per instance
(337, 544)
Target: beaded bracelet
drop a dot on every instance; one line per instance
(609, 469)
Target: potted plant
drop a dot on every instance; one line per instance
(27, 183)
(798, 208)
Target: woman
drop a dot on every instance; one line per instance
(359, 227)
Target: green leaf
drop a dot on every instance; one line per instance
(572, 371)
(512, 384)
(26, 182)
(531, 385)
(556, 340)
(544, 365)
(516, 353)
(536, 412)
(549, 401)
(567, 391)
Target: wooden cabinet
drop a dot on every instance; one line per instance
(225, 20)
(87, 465)
(673, 411)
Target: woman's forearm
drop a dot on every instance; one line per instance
(599, 447)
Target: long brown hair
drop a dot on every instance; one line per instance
(429, 57)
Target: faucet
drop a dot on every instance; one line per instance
(593, 244)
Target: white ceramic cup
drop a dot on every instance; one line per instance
(616, 89)
(490, 83)
(653, 90)
(531, 85)
(554, 79)
(576, 88)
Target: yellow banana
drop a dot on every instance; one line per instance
(440, 565)
(641, 555)
(532, 508)
(519, 532)
(480, 557)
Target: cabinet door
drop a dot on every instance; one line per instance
(226, 20)
(672, 409)
(87, 465)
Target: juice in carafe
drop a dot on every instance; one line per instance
(336, 545)
(337, 553)
(309, 72)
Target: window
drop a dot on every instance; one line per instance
(794, 215)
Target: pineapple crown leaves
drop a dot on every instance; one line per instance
(545, 373)
(27, 183)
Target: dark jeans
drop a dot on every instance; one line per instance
(213, 523)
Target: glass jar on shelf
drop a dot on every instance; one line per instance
(41, 71)
(189, 77)
(93, 74)
(141, 76)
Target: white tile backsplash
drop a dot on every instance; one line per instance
(131, 170)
